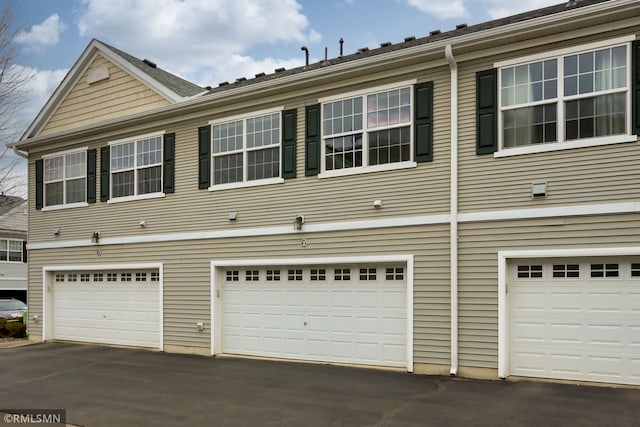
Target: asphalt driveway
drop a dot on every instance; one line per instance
(102, 386)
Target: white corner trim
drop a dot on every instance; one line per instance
(503, 301)
(367, 169)
(216, 328)
(249, 232)
(137, 137)
(550, 212)
(67, 206)
(565, 145)
(257, 113)
(138, 197)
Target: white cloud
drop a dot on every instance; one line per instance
(197, 38)
(441, 9)
(501, 8)
(42, 35)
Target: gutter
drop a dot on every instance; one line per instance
(19, 153)
(453, 227)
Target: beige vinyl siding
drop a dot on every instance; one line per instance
(187, 275)
(578, 176)
(422, 190)
(479, 244)
(118, 96)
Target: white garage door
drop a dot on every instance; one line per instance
(345, 314)
(108, 307)
(575, 319)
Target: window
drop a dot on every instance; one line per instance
(368, 130)
(98, 277)
(367, 274)
(141, 277)
(232, 275)
(72, 277)
(318, 274)
(529, 271)
(295, 275)
(566, 270)
(125, 277)
(570, 96)
(394, 273)
(85, 277)
(246, 150)
(136, 167)
(252, 275)
(635, 270)
(342, 274)
(112, 277)
(155, 276)
(605, 270)
(273, 275)
(65, 179)
(59, 277)
(11, 250)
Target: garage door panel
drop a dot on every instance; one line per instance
(348, 320)
(122, 311)
(583, 329)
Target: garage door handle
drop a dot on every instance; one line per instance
(305, 323)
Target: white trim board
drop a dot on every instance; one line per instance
(47, 295)
(216, 327)
(503, 215)
(505, 256)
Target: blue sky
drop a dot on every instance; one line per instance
(209, 41)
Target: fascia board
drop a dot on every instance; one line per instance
(436, 47)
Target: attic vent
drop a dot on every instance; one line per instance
(149, 63)
(279, 70)
(435, 32)
(409, 39)
(223, 83)
(385, 44)
(461, 26)
(97, 74)
(363, 50)
(240, 79)
(260, 75)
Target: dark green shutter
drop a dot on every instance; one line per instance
(91, 176)
(423, 115)
(635, 53)
(39, 183)
(105, 170)
(168, 163)
(24, 251)
(289, 130)
(312, 140)
(204, 157)
(487, 111)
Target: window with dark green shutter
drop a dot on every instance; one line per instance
(105, 171)
(372, 131)
(635, 53)
(64, 179)
(312, 140)
(204, 157)
(487, 111)
(289, 131)
(91, 176)
(39, 184)
(168, 163)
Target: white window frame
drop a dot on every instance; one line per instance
(63, 205)
(136, 168)
(245, 158)
(6, 251)
(560, 100)
(365, 168)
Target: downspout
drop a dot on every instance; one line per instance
(19, 153)
(453, 227)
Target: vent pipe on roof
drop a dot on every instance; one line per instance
(306, 55)
(341, 41)
(572, 3)
(149, 63)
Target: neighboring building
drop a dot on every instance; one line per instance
(13, 254)
(465, 203)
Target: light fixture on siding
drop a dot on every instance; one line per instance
(377, 203)
(96, 237)
(539, 189)
(297, 222)
(56, 231)
(233, 216)
(143, 223)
